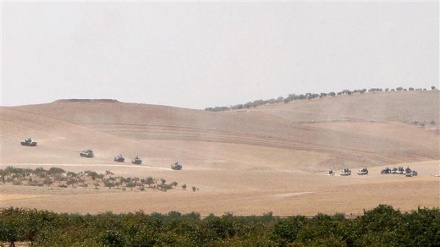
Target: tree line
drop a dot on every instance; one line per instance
(309, 96)
(381, 226)
(56, 176)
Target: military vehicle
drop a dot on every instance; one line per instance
(136, 161)
(345, 172)
(28, 142)
(410, 173)
(330, 173)
(363, 171)
(119, 158)
(386, 171)
(176, 166)
(88, 153)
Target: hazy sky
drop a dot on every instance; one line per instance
(198, 55)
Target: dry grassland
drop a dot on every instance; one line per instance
(271, 158)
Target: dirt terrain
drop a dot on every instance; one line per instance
(250, 161)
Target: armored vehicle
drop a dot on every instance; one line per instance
(119, 158)
(136, 160)
(176, 166)
(28, 142)
(363, 171)
(410, 173)
(386, 171)
(345, 172)
(88, 153)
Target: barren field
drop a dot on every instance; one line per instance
(252, 161)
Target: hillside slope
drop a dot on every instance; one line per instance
(270, 158)
(371, 129)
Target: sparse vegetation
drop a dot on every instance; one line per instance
(41, 177)
(308, 96)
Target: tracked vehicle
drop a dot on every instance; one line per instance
(363, 171)
(176, 166)
(345, 172)
(119, 158)
(28, 142)
(136, 161)
(88, 153)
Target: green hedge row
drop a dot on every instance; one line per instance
(381, 226)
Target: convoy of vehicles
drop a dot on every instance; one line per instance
(408, 172)
(88, 153)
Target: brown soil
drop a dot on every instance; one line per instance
(271, 158)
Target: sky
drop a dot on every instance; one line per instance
(206, 54)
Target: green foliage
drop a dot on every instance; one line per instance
(286, 230)
(381, 226)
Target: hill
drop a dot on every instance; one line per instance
(370, 128)
(268, 154)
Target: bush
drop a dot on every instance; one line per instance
(381, 226)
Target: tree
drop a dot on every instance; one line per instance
(40, 172)
(12, 225)
(286, 230)
(130, 185)
(53, 171)
(149, 181)
(2, 176)
(71, 181)
(112, 238)
(47, 181)
(109, 184)
(432, 87)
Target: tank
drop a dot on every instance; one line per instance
(386, 171)
(363, 171)
(400, 170)
(345, 172)
(119, 158)
(330, 173)
(88, 153)
(28, 142)
(136, 161)
(176, 166)
(410, 173)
